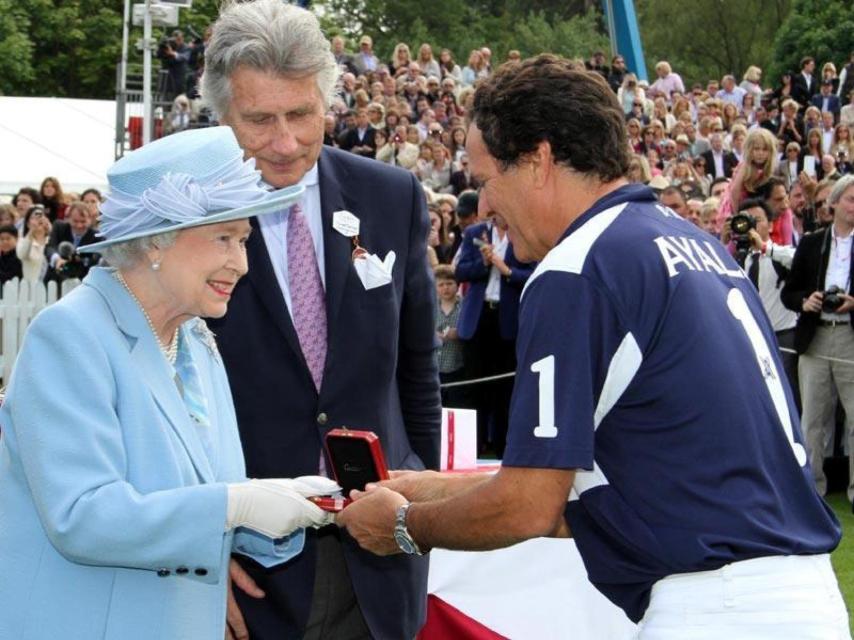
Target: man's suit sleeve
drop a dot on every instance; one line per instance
(798, 285)
(53, 241)
(470, 266)
(520, 273)
(417, 369)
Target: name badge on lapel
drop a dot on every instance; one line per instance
(372, 271)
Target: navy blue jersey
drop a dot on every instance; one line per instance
(647, 363)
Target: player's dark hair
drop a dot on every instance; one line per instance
(547, 99)
(754, 203)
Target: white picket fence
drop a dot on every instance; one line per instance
(20, 302)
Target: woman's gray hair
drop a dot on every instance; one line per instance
(842, 185)
(123, 255)
(267, 35)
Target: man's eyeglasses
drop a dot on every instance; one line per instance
(819, 204)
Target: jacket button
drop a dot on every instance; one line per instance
(181, 571)
(201, 572)
(322, 419)
(164, 573)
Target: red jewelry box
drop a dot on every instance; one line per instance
(357, 459)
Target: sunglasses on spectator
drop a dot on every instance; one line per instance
(819, 204)
(717, 129)
(637, 104)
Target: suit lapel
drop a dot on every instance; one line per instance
(153, 369)
(338, 249)
(263, 279)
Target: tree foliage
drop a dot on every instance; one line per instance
(72, 48)
(706, 39)
(461, 25)
(823, 29)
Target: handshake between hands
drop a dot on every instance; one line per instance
(276, 507)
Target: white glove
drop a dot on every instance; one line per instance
(276, 507)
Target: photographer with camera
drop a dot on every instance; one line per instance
(65, 237)
(174, 55)
(819, 288)
(767, 266)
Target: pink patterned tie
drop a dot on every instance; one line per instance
(308, 302)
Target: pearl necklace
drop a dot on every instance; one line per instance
(171, 351)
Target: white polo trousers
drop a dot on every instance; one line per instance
(773, 598)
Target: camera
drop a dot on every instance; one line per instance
(831, 300)
(76, 265)
(741, 224)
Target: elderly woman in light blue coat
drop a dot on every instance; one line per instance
(122, 483)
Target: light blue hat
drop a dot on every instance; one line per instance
(188, 179)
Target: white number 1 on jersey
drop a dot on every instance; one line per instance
(739, 309)
(546, 370)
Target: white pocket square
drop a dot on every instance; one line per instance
(374, 272)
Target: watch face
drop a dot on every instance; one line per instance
(404, 542)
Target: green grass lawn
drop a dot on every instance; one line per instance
(843, 557)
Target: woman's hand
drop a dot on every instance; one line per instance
(277, 507)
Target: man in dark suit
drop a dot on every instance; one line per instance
(76, 230)
(805, 84)
(826, 101)
(307, 346)
(823, 335)
(360, 139)
(462, 180)
(489, 320)
(719, 162)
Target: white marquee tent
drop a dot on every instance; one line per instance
(70, 139)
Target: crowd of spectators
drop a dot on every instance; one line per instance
(708, 150)
(41, 230)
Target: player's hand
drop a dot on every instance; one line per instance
(813, 303)
(417, 486)
(371, 519)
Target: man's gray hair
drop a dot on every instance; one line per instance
(842, 185)
(267, 35)
(124, 255)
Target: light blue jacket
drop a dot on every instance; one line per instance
(112, 504)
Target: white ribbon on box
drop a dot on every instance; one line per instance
(459, 440)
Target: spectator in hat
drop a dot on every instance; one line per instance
(124, 487)
(365, 60)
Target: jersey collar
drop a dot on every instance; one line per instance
(626, 193)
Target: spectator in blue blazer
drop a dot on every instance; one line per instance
(488, 321)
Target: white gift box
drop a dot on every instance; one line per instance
(459, 439)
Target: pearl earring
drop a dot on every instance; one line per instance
(155, 266)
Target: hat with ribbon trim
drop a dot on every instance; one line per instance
(187, 179)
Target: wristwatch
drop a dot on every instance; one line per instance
(401, 534)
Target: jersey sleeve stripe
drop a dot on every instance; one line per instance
(621, 371)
